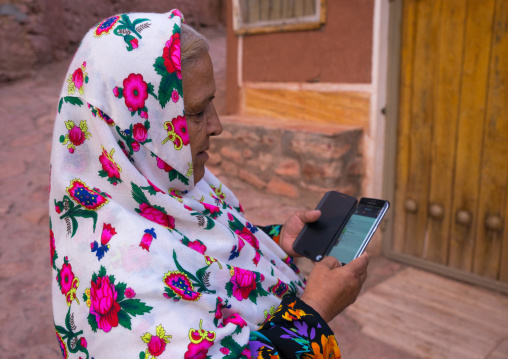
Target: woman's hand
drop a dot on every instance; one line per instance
(292, 228)
(331, 287)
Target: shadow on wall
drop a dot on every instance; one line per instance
(33, 33)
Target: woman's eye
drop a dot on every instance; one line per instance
(199, 114)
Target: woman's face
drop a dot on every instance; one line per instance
(202, 121)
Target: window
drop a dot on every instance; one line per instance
(261, 16)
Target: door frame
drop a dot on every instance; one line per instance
(389, 176)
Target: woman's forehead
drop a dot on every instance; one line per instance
(198, 82)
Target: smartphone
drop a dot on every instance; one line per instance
(317, 238)
(359, 229)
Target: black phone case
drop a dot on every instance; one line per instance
(316, 239)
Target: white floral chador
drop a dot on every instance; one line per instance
(147, 263)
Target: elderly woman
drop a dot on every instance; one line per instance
(152, 256)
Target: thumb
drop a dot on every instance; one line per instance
(309, 216)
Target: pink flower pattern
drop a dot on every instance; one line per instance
(66, 278)
(146, 241)
(109, 167)
(130, 293)
(175, 96)
(171, 54)
(198, 246)
(139, 132)
(155, 215)
(135, 92)
(180, 128)
(103, 304)
(244, 282)
(107, 233)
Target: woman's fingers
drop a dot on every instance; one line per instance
(330, 262)
(360, 264)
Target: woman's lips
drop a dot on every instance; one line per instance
(203, 155)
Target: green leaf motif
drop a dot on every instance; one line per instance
(173, 174)
(68, 321)
(151, 92)
(74, 225)
(182, 178)
(236, 224)
(233, 346)
(165, 89)
(126, 21)
(124, 320)
(92, 322)
(229, 289)
(76, 101)
(135, 307)
(159, 66)
(138, 21)
(180, 268)
(176, 29)
(102, 272)
(252, 296)
(159, 208)
(61, 330)
(171, 294)
(260, 290)
(138, 195)
(114, 180)
(86, 214)
(120, 291)
(210, 223)
(178, 85)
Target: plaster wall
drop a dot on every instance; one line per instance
(340, 52)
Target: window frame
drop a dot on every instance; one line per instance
(311, 22)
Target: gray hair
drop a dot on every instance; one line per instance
(193, 44)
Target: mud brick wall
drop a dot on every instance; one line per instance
(37, 32)
(292, 162)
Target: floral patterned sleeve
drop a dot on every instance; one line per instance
(273, 231)
(294, 331)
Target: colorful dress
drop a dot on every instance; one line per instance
(147, 263)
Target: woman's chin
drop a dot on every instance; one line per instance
(199, 172)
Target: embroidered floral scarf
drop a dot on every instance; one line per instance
(145, 261)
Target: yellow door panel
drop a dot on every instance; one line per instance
(451, 190)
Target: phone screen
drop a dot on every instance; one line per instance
(358, 230)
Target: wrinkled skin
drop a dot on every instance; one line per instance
(202, 121)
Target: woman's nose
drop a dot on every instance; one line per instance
(214, 126)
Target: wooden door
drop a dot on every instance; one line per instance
(451, 194)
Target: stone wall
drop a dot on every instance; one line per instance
(36, 32)
(301, 162)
